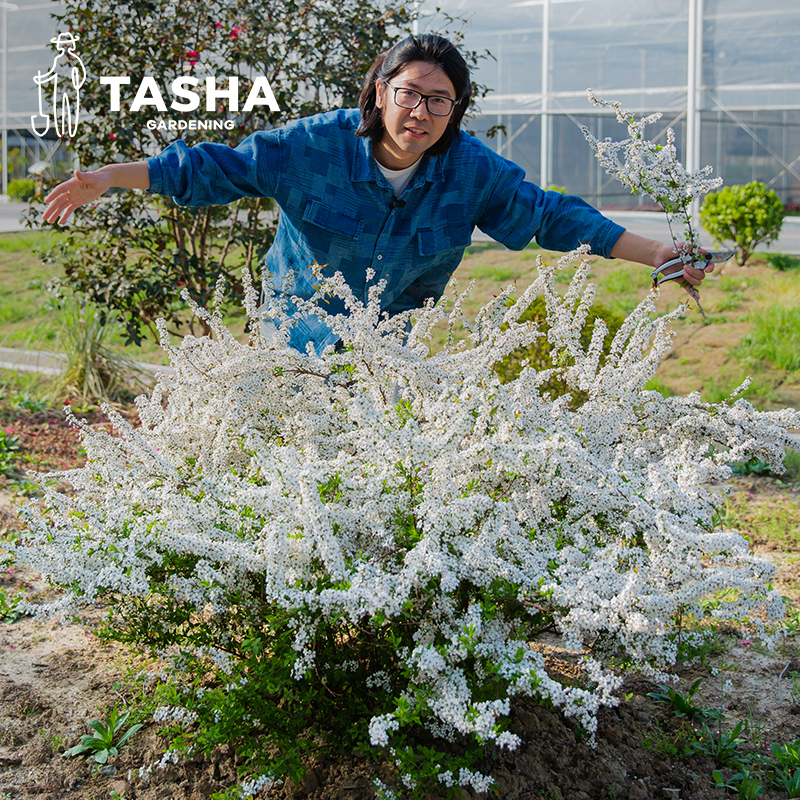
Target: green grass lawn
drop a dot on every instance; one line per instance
(29, 316)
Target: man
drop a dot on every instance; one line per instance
(393, 186)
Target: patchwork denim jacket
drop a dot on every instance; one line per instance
(338, 210)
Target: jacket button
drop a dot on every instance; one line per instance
(380, 258)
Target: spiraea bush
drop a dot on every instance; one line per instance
(358, 548)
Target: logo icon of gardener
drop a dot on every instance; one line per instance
(65, 102)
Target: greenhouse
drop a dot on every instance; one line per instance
(724, 73)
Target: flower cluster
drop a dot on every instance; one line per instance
(653, 169)
(381, 487)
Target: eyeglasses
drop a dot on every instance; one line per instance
(437, 105)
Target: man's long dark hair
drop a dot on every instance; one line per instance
(432, 49)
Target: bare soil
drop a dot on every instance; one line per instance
(54, 678)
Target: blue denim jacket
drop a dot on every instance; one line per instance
(337, 209)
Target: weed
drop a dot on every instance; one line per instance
(55, 742)
(756, 729)
(787, 755)
(721, 745)
(683, 705)
(743, 783)
(753, 466)
(788, 781)
(700, 646)
(9, 451)
(8, 606)
(100, 744)
(93, 371)
(674, 745)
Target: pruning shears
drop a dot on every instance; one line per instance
(659, 276)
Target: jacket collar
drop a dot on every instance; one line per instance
(365, 168)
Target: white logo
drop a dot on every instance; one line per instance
(65, 99)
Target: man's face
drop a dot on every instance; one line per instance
(409, 132)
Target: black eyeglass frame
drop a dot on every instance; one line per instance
(422, 97)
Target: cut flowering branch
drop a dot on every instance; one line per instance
(281, 525)
(654, 169)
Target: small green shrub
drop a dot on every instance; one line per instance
(782, 261)
(22, 190)
(747, 215)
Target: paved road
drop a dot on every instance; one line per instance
(645, 223)
(53, 363)
(654, 225)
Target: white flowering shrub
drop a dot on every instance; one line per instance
(362, 547)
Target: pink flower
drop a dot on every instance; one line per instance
(746, 641)
(235, 32)
(219, 24)
(113, 136)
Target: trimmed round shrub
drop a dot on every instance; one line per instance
(22, 190)
(746, 215)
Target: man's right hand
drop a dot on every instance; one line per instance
(85, 187)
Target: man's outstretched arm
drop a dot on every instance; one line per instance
(631, 247)
(86, 187)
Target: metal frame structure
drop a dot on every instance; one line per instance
(711, 67)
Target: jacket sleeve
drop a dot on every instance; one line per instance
(515, 211)
(216, 174)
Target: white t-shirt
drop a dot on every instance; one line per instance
(399, 178)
